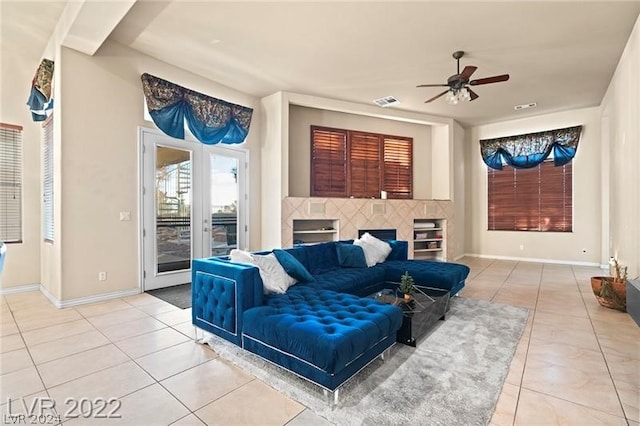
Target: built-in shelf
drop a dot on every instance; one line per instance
(429, 239)
(317, 231)
(310, 231)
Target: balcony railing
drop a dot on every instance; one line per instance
(174, 239)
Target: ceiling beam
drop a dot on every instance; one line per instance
(90, 22)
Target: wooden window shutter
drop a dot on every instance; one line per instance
(397, 179)
(536, 199)
(364, 164)
(328, 162)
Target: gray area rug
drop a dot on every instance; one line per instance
(453, 377)
(177, 295)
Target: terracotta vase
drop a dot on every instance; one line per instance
(616, 298)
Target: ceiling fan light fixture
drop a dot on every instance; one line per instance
(460, 83)
(454, 96)
(451, 98)
(464, 94)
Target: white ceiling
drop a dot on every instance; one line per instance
(559, 54)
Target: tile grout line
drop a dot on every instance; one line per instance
(604, 357)
(502, 285)
(526, 354)
(130, 358)
(35, 367)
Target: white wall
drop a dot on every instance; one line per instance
(621, 124)
(22, 265)
(553, 246)
(441, 162)
(458, 197)
(102, 107)
(274, 179)
(301, 118)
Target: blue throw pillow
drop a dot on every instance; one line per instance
(293, 266)
(351, 256)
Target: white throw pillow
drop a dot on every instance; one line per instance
(383, 247)
(375, 250)
(370, 252)
(240, 256)
(274, 278)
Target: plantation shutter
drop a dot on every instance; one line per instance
(536, 199)
(397, 179)
(364, 164)
(47, 199)
(328, 162)
(10, 183)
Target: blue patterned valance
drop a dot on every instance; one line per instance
(210, 120)
(527, 151)
(40, 101)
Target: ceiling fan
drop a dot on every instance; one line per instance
(459, 83)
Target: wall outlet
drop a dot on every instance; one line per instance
(521, 246)
(125, 216)
(102, 276)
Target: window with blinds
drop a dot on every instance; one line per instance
(398, 170)
(536, 199)
(347, 163)
(48, 229)
(328, 162)
(364, 165)
(10, 183)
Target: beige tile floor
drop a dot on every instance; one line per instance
(577, 363)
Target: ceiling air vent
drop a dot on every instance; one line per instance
(386, 101)
(524, 106)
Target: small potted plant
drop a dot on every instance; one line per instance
(611, 292)
(407, 285)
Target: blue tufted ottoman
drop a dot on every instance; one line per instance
(444, 275)
(324, 336)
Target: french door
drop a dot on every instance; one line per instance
(193, 205)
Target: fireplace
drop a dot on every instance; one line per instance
(382, 234)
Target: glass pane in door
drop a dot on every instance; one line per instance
(173, 209)
(224, 204)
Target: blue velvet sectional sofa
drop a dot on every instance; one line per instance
(325, 329)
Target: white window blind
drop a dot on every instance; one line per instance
(47, 200)
(10, 183)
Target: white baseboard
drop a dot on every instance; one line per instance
(19, 289)
(99, 298)
(51, 297)
(68, 303)
(535, 260)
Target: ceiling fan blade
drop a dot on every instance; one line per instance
(432, 85)
(436, 97)
(473, 94)
(487, 80)
(467, 71)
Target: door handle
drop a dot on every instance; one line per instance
(205, 230)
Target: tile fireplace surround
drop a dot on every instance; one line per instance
(363, 213)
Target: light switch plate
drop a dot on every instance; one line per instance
(125, 216)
